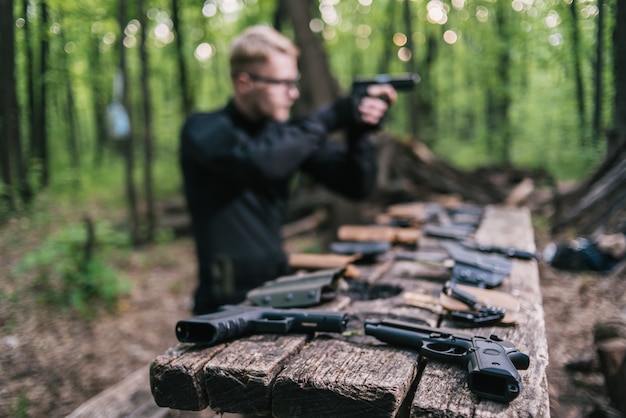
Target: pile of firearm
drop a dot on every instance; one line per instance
(491, 362)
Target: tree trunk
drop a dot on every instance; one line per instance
(318, 86)
(129, 158)
(148, 136)
(388, 32)
(500, 92)
(30, 100)
(598, 69)
(98, 99)
(578, 77)
(9, 116)
(41, 140)
(412, 102)
(70, 108)
(618, 136)
(187, 98)
(426, 90)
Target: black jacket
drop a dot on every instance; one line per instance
(236, 175)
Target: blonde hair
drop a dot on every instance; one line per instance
(255, 45)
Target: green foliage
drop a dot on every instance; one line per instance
(69, 269)
(456, 56)
(20, 409)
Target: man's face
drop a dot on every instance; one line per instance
(273, 89)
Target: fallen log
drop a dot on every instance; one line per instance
(598, 204)
(419, 165)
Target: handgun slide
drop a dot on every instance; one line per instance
(400, 82)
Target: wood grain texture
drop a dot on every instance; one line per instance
(177, 377)
(240, 378)
(130, 397)
(510, 227)
(336, 378)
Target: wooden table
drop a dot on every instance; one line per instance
(337, 375)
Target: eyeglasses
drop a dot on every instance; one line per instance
(290, 84)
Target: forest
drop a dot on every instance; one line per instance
(93, 95)
(523, 82)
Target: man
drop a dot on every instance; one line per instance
(237, 162)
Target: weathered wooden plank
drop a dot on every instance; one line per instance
(509, 227)
(130, 397)
(240, 377)
(396, 305)
(421, 269)
(442, 392)
(177, 377)
(336, 378)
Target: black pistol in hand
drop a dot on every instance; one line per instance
(400, 82)
(492, 363)
(232, 322)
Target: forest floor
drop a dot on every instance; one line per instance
(51, 360)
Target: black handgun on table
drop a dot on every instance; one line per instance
(232, 322)
(400, 82)
(492, 363)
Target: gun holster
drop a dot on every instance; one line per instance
(477, 269)
(297, 290)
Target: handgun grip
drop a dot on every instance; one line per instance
(215, 327)
(520, 360)
(492, 375)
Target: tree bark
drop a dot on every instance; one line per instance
(618, 136)
(412, 102)
(129, 156)
(578, 77)
(9, 117)
(41, 140)
(99, 99)
(387, 32)
(598, 69)
(27, 194)
(148, 135)
(500, 92)
(70, 109)
(318, 86)
(187, 97)
(597, 202)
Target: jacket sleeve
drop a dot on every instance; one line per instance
(349, 168)
(211, 143)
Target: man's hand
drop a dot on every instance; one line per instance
(373, 107)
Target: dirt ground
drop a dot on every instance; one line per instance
(52, 361)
